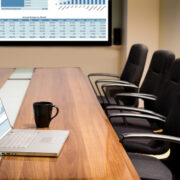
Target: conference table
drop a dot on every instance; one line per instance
(92, 150)
(4, 75)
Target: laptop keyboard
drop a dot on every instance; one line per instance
(18, 139)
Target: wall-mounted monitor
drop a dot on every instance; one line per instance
(55, 22)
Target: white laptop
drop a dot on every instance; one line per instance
(29, 142)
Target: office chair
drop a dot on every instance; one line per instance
(155, 78)
(156, 75)
(131, 74)
(150, 167)
(146, 122)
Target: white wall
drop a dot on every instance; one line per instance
(90, 59)
(142, 25)
(170, 25)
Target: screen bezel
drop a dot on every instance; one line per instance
(67, 43)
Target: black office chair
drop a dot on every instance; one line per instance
(140, 122)
(150, 167)
(155, 77)
(131, 74)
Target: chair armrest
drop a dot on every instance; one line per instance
(149, 117)
(152, 136)
(100, 74)
(127, 108)
(112, 81)
(109, 81)
(103, 74)
(136, 95)
(131, 86)
(149, 95)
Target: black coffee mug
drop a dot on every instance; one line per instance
(43, 113)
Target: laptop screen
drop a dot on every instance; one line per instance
(4, 122)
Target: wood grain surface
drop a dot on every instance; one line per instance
(92, 150)
(4, 75)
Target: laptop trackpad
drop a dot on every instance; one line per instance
(46, 140)
(49, 140)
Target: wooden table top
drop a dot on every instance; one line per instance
(92, 150)
(4, 75)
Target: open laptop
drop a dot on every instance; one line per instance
(29, 142)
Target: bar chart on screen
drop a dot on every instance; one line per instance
(88, 4)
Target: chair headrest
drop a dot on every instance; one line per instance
(137, 54)
(161, 61)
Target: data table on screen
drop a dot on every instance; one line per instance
(53, 28)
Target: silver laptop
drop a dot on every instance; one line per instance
(29, 142)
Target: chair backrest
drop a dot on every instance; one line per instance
(135, 64)
(169, 90)
(173, 128)
(157, 74)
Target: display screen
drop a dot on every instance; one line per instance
(4, 122)
(55, 21)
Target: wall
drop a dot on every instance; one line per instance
(170, 25)
(141, 25)
(90, 59)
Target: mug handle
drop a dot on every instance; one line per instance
(57, 111)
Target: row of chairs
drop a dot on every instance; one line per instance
(155, 128)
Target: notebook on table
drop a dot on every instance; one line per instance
(28, 142)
